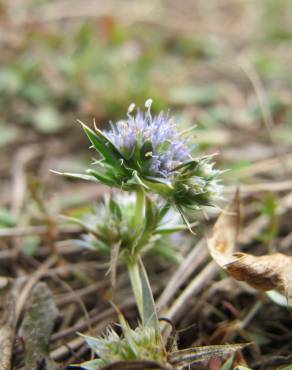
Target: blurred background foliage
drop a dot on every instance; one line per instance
(216, 64)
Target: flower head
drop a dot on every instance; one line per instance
(154, 137)
(148, 152)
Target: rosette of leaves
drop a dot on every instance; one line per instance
(145, 152)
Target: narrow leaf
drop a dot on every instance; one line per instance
(80, 176)
(100, 177)
(100, 145)
(149, 310)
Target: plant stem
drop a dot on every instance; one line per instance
(140, 208)
(134, 274)
(137, 273)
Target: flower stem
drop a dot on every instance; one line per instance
(134, 274)
(140, 208)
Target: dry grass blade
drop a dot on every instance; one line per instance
(199, 354)
(31, 282)
(7, 322)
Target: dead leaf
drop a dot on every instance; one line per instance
(37, 326)
(7, 321)
(225, 231)
(268, 272)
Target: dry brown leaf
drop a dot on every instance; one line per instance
(222, 243)
(268, 272)
(7, 321)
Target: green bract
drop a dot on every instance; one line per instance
(114, 223)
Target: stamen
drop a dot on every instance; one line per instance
(131, 107)
(148, 103)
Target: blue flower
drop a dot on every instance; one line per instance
(156, 136)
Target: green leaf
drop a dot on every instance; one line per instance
(171, 230)
(90, 365)
(47, 120)
(228, 364)
(7, 219)
(149, 310)
(136, 180)
(31, 244)
(151, 213)
(8, 134)
(191, 94)
(102, 177)
(107, 152)
(80, 176)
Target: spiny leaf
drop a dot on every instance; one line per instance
(100, 145)
(80, 176)
(102, 177)
(174, 229)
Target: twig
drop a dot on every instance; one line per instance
(31, 283)
(36, 230)
(193, 260)
(194, 287)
